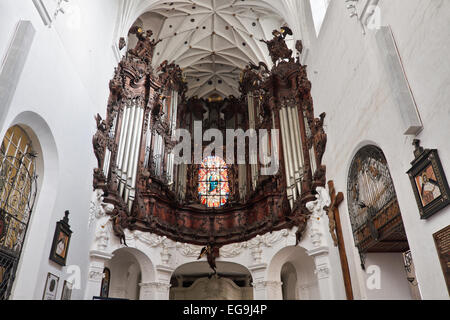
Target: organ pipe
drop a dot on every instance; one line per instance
(252, 126)
(287, 163)
(134, 162)
(295, 145)
(123, 134)
(126, 151)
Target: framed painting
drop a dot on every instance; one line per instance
(429, 182)
(51, 287)
(67, 291)
(61, 241)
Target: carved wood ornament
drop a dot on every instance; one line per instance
(156, 207)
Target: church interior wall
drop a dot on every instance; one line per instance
(394, 285)
(64, 81)
(360, 105)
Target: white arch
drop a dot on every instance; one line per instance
(307, 283)
(47, 168)
(129, 269)
(146, 266)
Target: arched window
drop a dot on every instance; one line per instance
(373, 207)
(17, 195)
(213, 185)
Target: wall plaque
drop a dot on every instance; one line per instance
(442, 240)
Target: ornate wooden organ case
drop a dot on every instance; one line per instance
(150, 193)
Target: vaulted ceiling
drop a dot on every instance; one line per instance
(211, 40)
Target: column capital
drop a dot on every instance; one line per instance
(320, 251)
(258, 267)
(100, 255)
(156, 285)
(164, 269)
(261, 285)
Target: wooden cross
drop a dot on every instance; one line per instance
(332, 211)
(336, 234)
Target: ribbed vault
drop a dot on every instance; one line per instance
(212, 40)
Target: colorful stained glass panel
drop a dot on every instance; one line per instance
(213, 186)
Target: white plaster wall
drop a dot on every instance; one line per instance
(394, 283)
(350, 85)
(64, 83)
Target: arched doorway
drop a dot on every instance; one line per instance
(378, 228)
(294, 270)
(128, 268)
(289, 282)
(17, 197)
(194, 281)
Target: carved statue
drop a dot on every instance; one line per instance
(335, 202)
(302, 223)
(212, 253)
(171, 77)
(320, 137)
(145, 47)
(278, 48)
(100, 141)
(99, 208)
(122, 43)
(102, 233)
(299, 46)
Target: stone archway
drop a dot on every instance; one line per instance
(293, 264)
(130, 269)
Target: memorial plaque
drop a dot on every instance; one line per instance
(442, 240)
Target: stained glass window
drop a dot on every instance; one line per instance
(213, 185)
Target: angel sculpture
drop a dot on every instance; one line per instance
(278, 48)
(145, 47)
(212, 253)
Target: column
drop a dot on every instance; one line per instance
(323, 272)
(159, 289)
(263, 289)
(95, 273)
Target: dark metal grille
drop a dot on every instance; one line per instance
(370, 186)
(17, 196)
(373, 207)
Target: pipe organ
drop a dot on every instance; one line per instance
(151, 193)
(293, 156)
